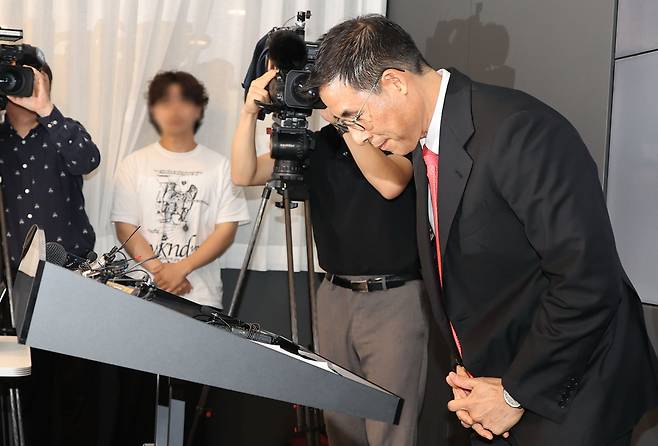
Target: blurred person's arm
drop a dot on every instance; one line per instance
(213, 247)
(247, 169)
(137, 247)
(140, 249)
(173, 276)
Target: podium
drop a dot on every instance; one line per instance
(62, 311)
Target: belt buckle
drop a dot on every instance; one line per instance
(363, 286)
(381, 280)
(360, 285)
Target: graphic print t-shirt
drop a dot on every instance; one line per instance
(177, 199)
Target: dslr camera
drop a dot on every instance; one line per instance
(16, 79)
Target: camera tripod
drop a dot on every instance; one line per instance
(291, 193)
(293, 190)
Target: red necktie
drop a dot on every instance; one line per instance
(432, 166)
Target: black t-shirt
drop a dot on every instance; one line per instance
(356, 230)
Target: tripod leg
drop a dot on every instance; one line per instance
(291, 267)
(203, 398)
(299, 410)
(312, 415)
(311, 275)
(237, 293)
(310, 426)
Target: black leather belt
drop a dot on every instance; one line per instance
(374, 284)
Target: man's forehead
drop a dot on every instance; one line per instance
(341, 99)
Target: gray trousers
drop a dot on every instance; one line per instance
(382, 336)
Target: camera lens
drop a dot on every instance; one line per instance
(8, 81)
(297, 94)
(301, 92)
(16, 81)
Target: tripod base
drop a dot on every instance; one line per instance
(307, 419)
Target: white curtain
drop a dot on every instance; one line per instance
(103, 52)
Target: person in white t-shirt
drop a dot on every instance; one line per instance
(180, 194)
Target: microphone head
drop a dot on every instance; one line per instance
(55, 253)
(287, 50)
(91, 256)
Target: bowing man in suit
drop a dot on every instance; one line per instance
(516, 247)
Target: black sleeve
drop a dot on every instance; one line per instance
(555, 192)
(73, 143)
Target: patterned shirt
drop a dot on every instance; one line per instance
(42, 183)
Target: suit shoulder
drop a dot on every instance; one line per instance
(501, 115)
(493, 105)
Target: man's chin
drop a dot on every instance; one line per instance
(398, 148)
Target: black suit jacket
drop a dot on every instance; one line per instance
(532, 280)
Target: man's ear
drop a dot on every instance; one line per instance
(395, 80)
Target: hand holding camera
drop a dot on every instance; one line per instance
(258, 92)
(39, 102)
(20, 75)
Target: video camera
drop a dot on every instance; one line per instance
(291, 101)
(16, 79)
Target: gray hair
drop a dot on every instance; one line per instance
(359, 50)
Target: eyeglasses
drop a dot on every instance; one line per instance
(344, 125)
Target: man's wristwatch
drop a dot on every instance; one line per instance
(511, 401)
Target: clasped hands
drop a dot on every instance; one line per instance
(171, 277)
(479, 404)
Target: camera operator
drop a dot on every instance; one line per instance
(370, 314)
(42, 160)
(43, 156)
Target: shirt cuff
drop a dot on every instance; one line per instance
(54, 121)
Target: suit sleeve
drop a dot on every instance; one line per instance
(545, 173)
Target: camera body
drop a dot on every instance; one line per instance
(294, 58)
(291, 101)
(16, 79)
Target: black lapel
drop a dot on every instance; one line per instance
(422, 216)
(454, 162)
(427, 250)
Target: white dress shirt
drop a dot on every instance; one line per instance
(431, 141)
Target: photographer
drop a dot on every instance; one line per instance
(42, 160)
(370, 314)
(43, 156)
